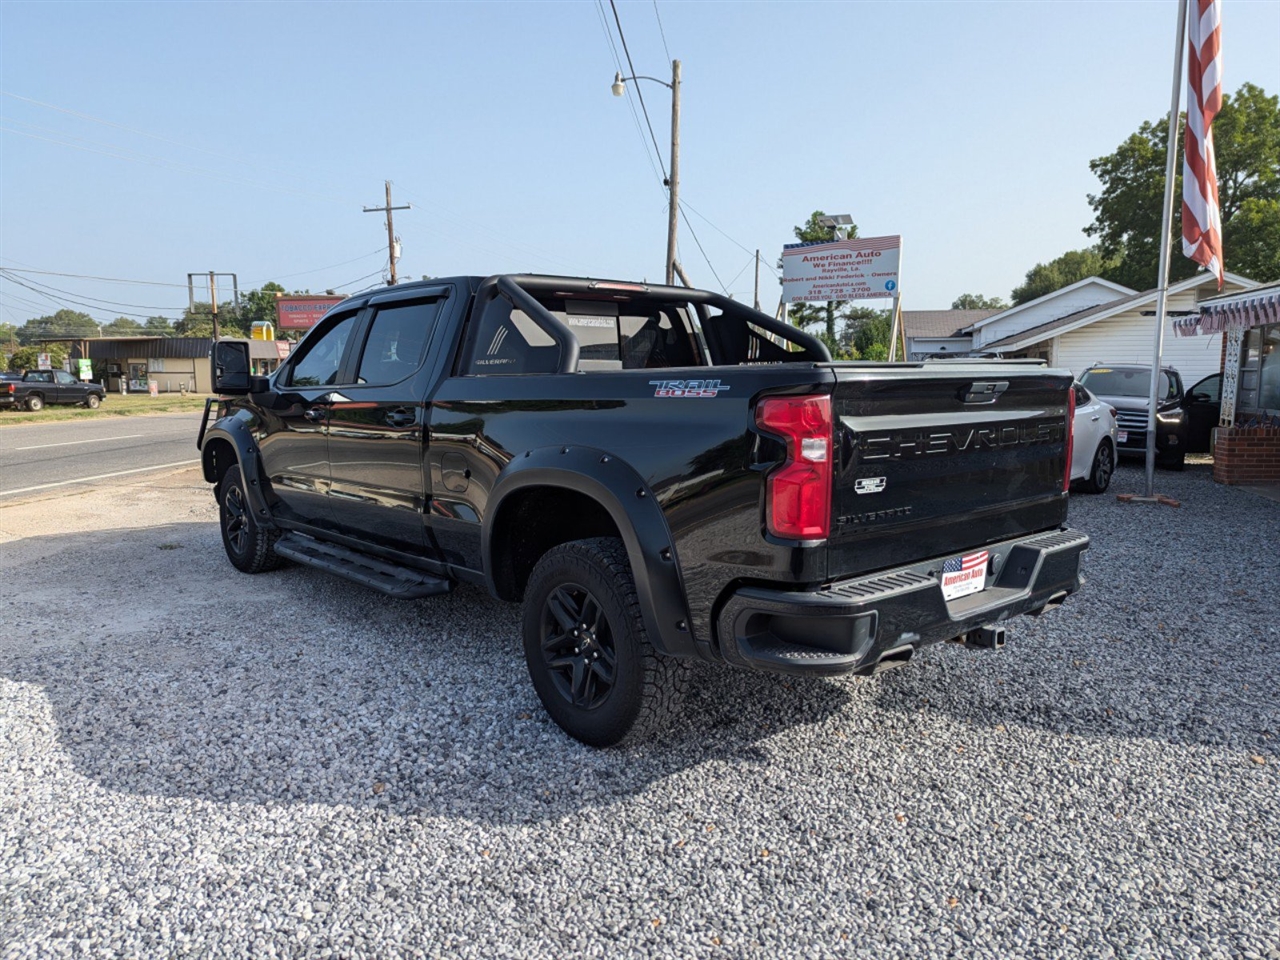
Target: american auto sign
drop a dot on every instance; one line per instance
(303, 313)
(859, 269)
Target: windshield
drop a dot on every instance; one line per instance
(1116, 382)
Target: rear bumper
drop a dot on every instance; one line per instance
(858, 624)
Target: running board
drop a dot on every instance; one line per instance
(404, 583)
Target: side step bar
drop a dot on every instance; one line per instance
(403, 583)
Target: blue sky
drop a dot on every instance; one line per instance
(146, 141)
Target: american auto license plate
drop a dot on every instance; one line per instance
(962, 576)
(1122, 436)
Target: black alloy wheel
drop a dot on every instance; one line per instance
(577, 646)
(587, 650)
(248, 545)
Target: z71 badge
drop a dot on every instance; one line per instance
(687, 388)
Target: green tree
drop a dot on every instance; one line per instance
(64, 323)
(1255, 240)
(806, 314)
(976, 301)
(197, 321)
(1127, 213)
(27, 358)
(871, 335)
(1060, 272)
(158, 327)
(258, 306)
(122, 327)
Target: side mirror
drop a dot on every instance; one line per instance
(259, 384)
(230, 360)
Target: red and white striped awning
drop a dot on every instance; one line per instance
(1252, 308)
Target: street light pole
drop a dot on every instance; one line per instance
(672, 182)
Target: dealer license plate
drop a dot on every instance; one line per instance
(1122, 436)
(962, 576)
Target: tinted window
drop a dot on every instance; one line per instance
(40, 378)
(397, 341)
(1208, 390)
(1082, 396)
(64, 377)
(1121, 382)
(508, 341)
(319, 357)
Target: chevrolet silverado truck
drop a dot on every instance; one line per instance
(656, 474)
(40, 387)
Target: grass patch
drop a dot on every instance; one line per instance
(115, 405)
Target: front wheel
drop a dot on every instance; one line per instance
(250, 547)
(35, 403)
(1176, 461)
(92, 401)
(1104, 465)
(585, 644)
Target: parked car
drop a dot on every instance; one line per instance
(656, 474)
(39, 387)
(1093, 455)
(1184, 419)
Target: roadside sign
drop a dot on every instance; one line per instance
(43, 362)
(303, 313)
(86, 369)
(153, 387)
(282, 348)
(863, 268)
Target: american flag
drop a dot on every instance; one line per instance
(967, 562)
(1201, 216)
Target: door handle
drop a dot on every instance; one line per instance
(401, 418)
(1094, 419)
(314, 415)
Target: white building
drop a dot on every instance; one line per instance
(1091, 321)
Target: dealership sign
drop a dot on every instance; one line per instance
(302, 313)
(858, 269)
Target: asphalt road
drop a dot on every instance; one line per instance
(65, 455)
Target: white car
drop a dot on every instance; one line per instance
(1093, 456)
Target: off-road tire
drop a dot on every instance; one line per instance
(1101, 471)
(92, 401)
(1176, 462)
(646, 687)
(35, 403)
(249, 546)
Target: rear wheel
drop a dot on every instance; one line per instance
(92, 401)
(249, 546)
(1104, 465)
(585, 644)
(35, 403)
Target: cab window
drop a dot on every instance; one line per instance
(397, 341)
(319, 356)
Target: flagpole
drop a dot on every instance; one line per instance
(1166, 242)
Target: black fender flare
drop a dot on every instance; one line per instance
(235, 430)
(616, 486)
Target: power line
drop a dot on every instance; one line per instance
(65, 300)
(639, 93)
(740, 246)
(81, 276)
(660, 30)
(694, 234)
(635, 117)
(376, 273)
(303, 273)
(110, 303)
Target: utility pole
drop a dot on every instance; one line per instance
(674, 186)
(757, 297)
(391, 232)
(213, 296)
(213, 301)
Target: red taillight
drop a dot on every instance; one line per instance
(1071, 437)
(798, 493)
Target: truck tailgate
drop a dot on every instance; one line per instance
(942, 457)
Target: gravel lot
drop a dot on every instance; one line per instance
(196, 762)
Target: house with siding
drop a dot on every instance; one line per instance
(1090, 321)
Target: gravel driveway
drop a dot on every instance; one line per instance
(196, 762)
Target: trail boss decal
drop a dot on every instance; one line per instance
(687, 388)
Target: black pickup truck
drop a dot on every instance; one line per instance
(657, 474)
(40, 387)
